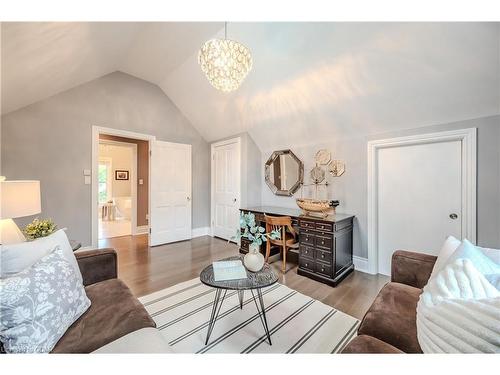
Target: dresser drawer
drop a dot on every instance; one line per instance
(323, 256)
(323, 269)
(307, 237)
(324, 242)
(306, 251)
(326, 227)
(308, 224)
(306, 264)
(245, 244)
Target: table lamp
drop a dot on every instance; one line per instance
(17, 199)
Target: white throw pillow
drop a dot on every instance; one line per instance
(481, 262)
(448, 248)
(450, 245)
(17, 257)
(459, 312)
(39, 304)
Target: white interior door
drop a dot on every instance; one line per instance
(170, 217)
(419, 193)
(226, 189)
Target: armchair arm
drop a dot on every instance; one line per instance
(411, 268)
(97, 265)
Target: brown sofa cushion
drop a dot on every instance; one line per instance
(392, 317)
(369, 344)
(410, 268)
(114, 312)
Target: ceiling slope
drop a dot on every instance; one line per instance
(317, 81)
(309, 81)
(41, 59)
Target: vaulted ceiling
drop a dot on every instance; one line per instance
(309, 80)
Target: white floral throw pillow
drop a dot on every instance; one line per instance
(38, 304)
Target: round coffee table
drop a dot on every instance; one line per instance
(254, 282)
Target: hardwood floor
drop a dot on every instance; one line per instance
(146, 270)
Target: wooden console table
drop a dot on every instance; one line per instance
(325, 244)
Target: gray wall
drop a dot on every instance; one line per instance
(351, 188)
(51, 141)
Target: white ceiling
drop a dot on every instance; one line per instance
(309, 80)
(42, 59)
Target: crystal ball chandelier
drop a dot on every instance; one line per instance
(225, 62)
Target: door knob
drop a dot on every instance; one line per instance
(453, 216)
(188, 199)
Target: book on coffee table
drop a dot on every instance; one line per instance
(229, 270)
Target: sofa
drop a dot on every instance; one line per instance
(116, 321)
(389, 325)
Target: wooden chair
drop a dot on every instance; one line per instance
(288, 239)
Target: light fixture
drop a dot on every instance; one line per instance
(17, 199)
(225, 62)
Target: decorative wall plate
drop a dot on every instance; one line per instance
(323, 157)
(317, 175)
(336, 168)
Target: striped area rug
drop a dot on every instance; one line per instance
(297, 323)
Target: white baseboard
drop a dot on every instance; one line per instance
(198, 232)
(360, 264)
(143, 229)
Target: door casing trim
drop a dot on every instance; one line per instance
(468, 139)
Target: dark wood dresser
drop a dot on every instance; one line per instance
(325, 244)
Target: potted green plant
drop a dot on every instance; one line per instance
(39, 228)
(254, 260)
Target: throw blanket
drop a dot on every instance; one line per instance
(459, 312)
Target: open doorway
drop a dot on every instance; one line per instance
(162, 209)
(121, 167)
(117, 188)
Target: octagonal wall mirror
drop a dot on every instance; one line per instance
(284, 172)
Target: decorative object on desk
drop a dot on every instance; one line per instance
(254, 260)
(121, 174)
(317, 206)
(284, 172)
(39, 228)
(314, 206)
(17, 199)
(323, 157)
(336, 168)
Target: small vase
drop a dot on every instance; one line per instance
(254, 260)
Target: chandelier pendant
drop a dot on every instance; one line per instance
(225, 62)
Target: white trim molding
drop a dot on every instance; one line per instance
(360, 264)
(199, 232)
(142, 229)
(467, 137)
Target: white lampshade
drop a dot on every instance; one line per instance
(19, 198)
